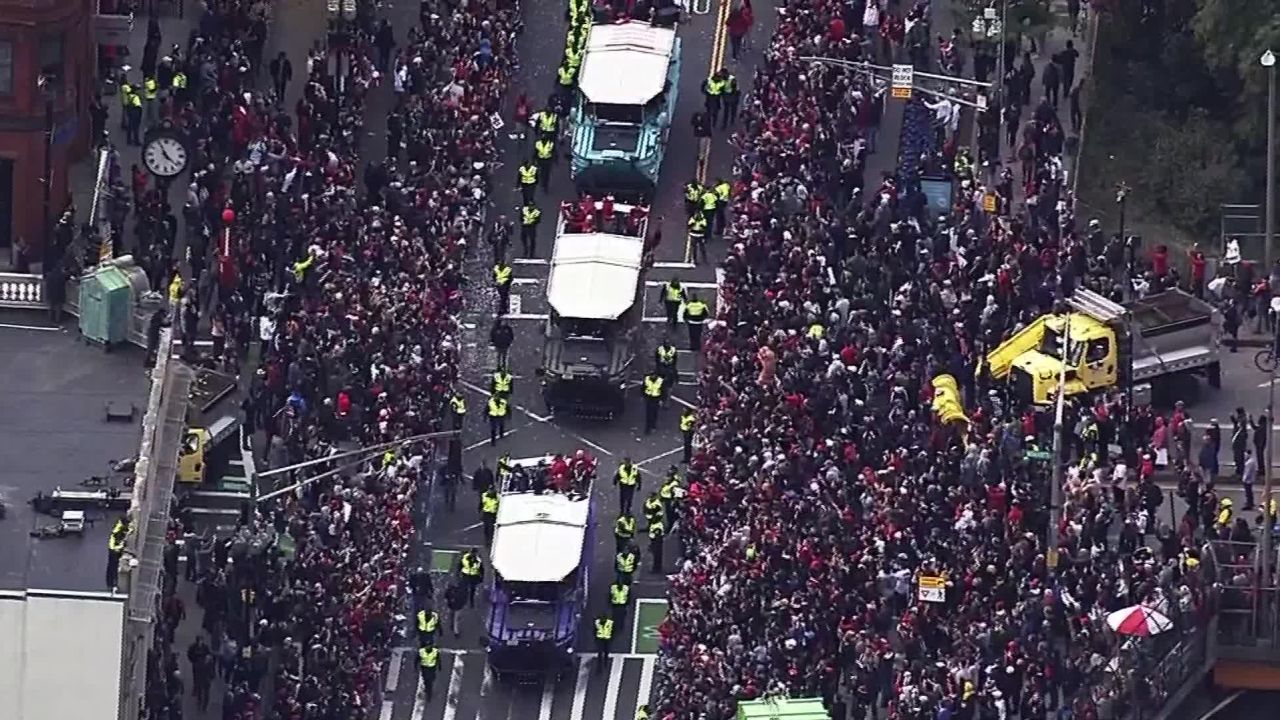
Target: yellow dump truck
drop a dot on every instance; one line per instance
(1145, 342)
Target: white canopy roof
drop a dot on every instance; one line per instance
(626, 64)
(594, 275)
(538, 538)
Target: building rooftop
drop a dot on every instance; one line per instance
(54, 389)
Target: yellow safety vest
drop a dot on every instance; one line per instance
(125, 91)
(674, 293)
(619, 594)
(716, 87)
(697, 224)
(470, 565)
(652, 505)
(489, 502)
(429, 657)
(1224, 516)
(459, 405)
(687, 420)
(709, 200)
(149, 88)
(497, 407)
(625, 526)
(565, 74)
(300, 268)
(626, 562)
(666, 354)
(544, 149)
(668, 490)
(723, 190)
(628, 475)
(175, 289)
(502, 382)
(547, 121)
(530, 215)
(694, 312)
(135, 100)
(528, 174)
(604, 628)
(656, 531)
(642, 714)
(502, 275)
(692, 191)
(428, 621)
(653, 386)
(115, 541)
(816, 331)
(180, 81)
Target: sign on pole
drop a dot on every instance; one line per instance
(932, 589)
(989, 202)
(903, 79)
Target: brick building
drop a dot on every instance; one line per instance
(51, 39)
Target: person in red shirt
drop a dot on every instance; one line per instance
(1197, 270)
(1160, 261)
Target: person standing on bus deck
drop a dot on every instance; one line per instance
(624, 529)
(471, 568)
(628, 481)
(489, 513)
(657, 531)
(619, 596)
(502, 277)
(604, 638)
(652, 398)
(695, 316)
(499, 409)
(625, 563)
(687, 420)
(673, 296)
(428, 663)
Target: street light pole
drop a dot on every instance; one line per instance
(46, 225)
(1055, 489)
(1268, 61)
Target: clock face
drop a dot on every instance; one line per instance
(165, 156)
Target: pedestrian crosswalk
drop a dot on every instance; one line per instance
(466, 689)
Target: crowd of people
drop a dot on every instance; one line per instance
(824, 488)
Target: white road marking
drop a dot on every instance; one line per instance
(655, 458)
(646, 682)
(542, 317)
(481, 443)
(611, 692)
(548, 696)
(486, 688)
(682, 401)
(42, 328)
(420, 700)
(588, 443)
(388, 707)
(393, 672)
(695, 284)
(531, 415)
(580, 688)
(455, 687)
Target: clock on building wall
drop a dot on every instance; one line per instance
(165, 155)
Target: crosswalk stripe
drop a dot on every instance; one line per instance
(611, 692)
(486, 689)
(388, 707)
(548, 696)
(646, 682)
(580, 689)
(455, 685)
(420, 700)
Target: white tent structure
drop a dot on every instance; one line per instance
(626, 63)
(594, 276)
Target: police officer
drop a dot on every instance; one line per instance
(604, 638)
(458, 406)
(501, 382)
(642, 712)
(695, 316)
(528, 174)
(619, 596)
(566, 75)
(545, 122)
(657, 531)
(624, 529)
(692, 197)
(673, 296)
(489, 513)
(669, 494)
(428, 664)
(665, 357)
(654, 510)
(723, 191)
(126, 89)
(545, 150)
(652, 397)
(730, 100)
(697, 227)
(628, 480)
(502, 277)
(499, 408)
(133, 117)
(179, 85)
(625, 564)
(530, 216)
(713, 90)
(708, 201)
(115, 549)
(471, 569)
(687, 420)
(428, 623)
(150, 92)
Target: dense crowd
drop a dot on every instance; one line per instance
(342, 264)
(825, 488)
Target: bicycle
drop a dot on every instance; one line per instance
(1265, 360)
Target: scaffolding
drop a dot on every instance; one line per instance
(141, 571)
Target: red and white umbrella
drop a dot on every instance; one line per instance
(1139, 620)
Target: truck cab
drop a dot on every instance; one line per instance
(622, 111)
(595, 292)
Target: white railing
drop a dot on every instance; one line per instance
(23, 291)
